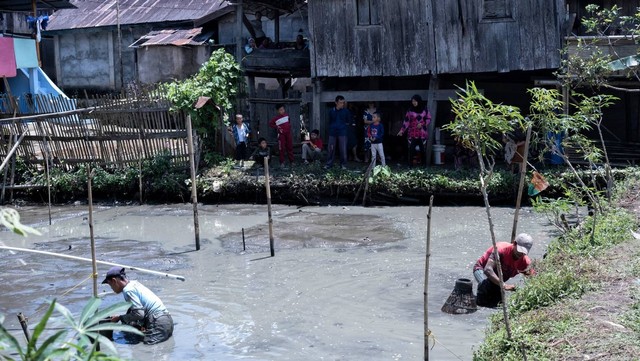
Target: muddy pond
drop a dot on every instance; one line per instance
(346, 283)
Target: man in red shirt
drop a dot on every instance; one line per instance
(285, 141)
(513, 260)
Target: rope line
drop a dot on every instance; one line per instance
(42, 307)
(435, 340)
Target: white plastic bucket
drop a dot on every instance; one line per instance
(438, 154)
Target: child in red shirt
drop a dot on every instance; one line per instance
(285, 141)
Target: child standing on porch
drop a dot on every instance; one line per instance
(240, 132)
(375, 133)
(285, 141)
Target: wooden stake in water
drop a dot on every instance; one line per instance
(244, 246)
(268, 186)
(94, 266)
(426, 284)
(523, 174)
(25, 328)
(194, 190)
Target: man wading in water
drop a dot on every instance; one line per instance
(147, 312)
(513, 260)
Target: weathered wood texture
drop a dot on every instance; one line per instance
(265, 103)
(417, 37)
(120, 131)
(400, 45)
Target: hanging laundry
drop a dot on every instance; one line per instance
(38, 24)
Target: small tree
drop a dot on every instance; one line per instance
(477, 125)
(219, 79)
(559, 132)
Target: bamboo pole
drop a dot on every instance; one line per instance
(46, 168)
(268, 187)
(4, 180)
(523, 174)
(13, 150)
(94, 266)
(132, 268)
(194, 190)
(49, 115)
(426, 284)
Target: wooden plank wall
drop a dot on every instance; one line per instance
(529, 39)
(417, 37)
(401, 45)
(120, 131)
(265, 103)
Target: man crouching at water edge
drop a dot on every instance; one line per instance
(513, 260)
(147, 312)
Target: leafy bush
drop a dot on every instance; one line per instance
(78, 341)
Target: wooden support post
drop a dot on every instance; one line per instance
(94, 266)
(317, 105)
(46, 168)
(4, 181)
(523, 175)
(239, 24)
(276, 30)
(432, 105)
(194, 190)
(268, 188)
(252, 106)
(427, 333)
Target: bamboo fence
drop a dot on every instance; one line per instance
(111, 130)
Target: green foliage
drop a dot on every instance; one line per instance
(77, 342)
(217, 79)
(567, 271)
(588, 65)
(479, 123)
(10, 218)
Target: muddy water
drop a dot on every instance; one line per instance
(346, 282)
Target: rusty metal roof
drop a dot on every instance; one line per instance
(178, 37)
(27, 5)
(96, 13)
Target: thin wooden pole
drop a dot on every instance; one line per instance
(244, 245)
(13, 150)
(268, 186)
(4, 181)
(25, 328)
(168, 275)
(94, 266)
(46, 167)
(427, 333)
(523, 174)
(194, 190)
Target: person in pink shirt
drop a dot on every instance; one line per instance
(285, 141)
(415, 125)
(514, 259)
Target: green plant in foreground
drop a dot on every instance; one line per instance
(77, 342)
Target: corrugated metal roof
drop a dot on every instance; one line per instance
(178, 37)
(27, 5)
(95, 13)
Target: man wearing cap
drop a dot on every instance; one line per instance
(513, 260)
(146, 308)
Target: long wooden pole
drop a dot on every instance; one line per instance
(25, 328)
(13, 150)
(46, 167)
(426, 284)
(268, 186)
(49, 115)
(523, 174)
(168, 275)
(4, 180)
(94, 266)
(194, 190)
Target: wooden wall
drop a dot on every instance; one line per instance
(400, 45)
(417, 37)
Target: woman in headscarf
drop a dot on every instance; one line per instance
(415, 126)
